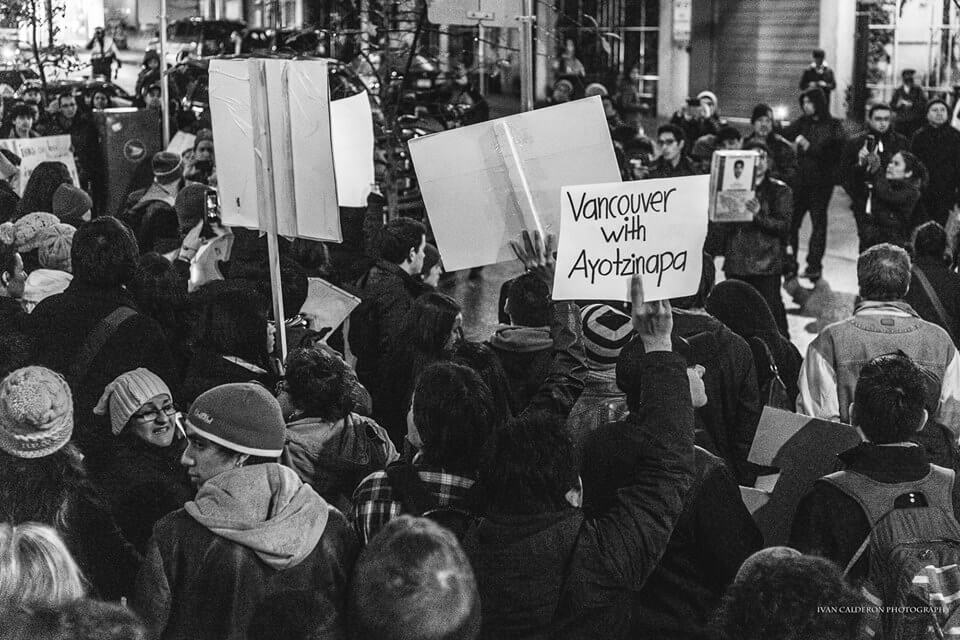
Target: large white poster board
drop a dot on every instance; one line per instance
(301, 147)
(651, 228)
(33, 151)
(352, 127)
(484, 184)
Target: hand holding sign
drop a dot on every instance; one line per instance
(537, 257)
(653, 321)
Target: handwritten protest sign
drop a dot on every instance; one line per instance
(301, 147)
(651, 228)
(33, 151)
(484, 184)
(804, 449)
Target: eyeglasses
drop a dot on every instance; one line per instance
(152, 416)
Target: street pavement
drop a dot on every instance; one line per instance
(833, 298)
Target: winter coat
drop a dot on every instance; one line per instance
(12, 316)
(733, 406)
(602, 401)
(663, 169)
(939, 150)
(387, 293)
(819, 164)
(141, 483)
(525, 353)
(893, 213)
(853, 176)
(333, 457)
(9, 201)
(831, 524)
(814, 75)
(946, 284)
(756, 248)
(533, 568)
(208, 370)
(250, 534)
(61, 324)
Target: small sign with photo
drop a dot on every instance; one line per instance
(732, 176)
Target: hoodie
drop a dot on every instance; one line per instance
(266, 508)
(526, 354)
(819, 164)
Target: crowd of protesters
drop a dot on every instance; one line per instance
(576, 474)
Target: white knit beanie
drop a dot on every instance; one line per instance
(36, 412)
(126, 394)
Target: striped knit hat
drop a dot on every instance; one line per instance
(127, 393)
(605, 332)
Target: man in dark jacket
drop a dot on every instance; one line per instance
(864, 159)
(543, 568)
(83, 135)
(819, 138)
(888, 411)
(150, 212)
(714, 534)
(818, 75)
(753, 251)
(91, 333)
(387, 292)
(937, 144)
(909, 104)
(727, 424)
(782, 154)
(929, 247)
(673, 162)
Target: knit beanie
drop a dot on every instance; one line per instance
(36, 412)
(54, 248)
(70, 202)
(761, 111)
(606, 332)
(242, 417)
(938, 101)
(24, 233)
(191, 205)
(167, 167)
(126, 394)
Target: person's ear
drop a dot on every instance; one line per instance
(412, 255)
(5, 278)
(574, 496)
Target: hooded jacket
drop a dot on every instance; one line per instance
(939, 150)
(818, 164)
(525, 353)
(250, 534)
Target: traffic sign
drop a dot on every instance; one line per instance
(470, 13)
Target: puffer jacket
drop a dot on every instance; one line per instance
(756, 248)
(250, 534)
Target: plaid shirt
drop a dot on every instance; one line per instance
(374, 505)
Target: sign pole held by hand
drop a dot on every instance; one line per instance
(526, 56)
(518, 179)
(266, 195)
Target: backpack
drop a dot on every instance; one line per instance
(914, 545)
(415, 499)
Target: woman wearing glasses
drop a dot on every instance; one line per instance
(139, 474)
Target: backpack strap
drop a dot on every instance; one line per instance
(931, 293)
(409, 490)
(96, 340)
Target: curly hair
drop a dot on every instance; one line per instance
(41, 489)
(318, 384)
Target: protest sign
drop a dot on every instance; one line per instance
(352, 127)
(610, 232)
(484, 184)
(181, 143)
(128, 140)
(301, 147)
(33, 151)
(327, 306)
(732, 175)
(804, 449)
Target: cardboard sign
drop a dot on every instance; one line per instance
(352, 127)
(327, 306)
(610, 232)
(732, 175)
(33, 151)
(301, 147)
(484, 184)
(804, 449)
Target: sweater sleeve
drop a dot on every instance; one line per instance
(631, 538)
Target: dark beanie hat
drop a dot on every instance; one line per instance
(70, 202)
(191, 205)
(937, 101)
(760, 111)
(167, 166)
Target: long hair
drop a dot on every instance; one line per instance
(920, 176)
(157, 290)
(41, 489)
(36, 568)
(43, 182)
